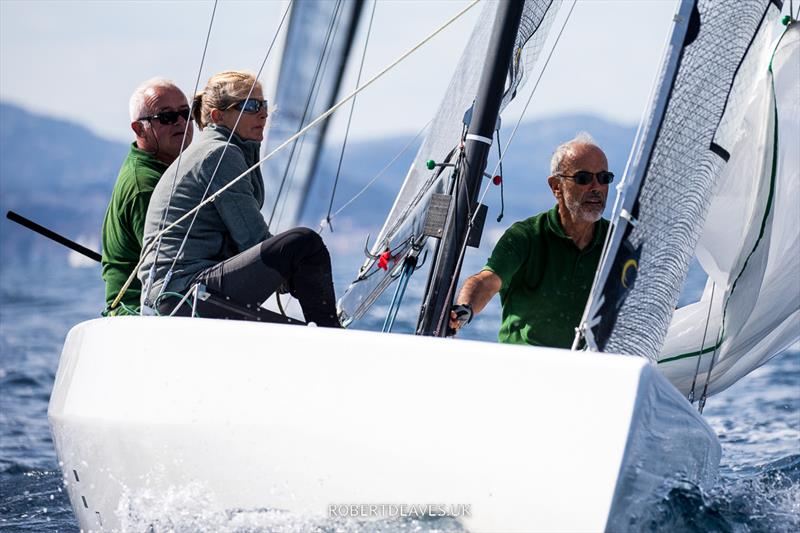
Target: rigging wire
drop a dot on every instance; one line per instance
(530, 97)
(378, 175)
(168, 276)
(310, 103)
(284, 200)
(702, 347)
(583, 332)
(704, 396)
(350, 117)
(471, 222)
(163, 221)
(300, 133)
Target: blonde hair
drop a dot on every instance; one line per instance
(221, 91)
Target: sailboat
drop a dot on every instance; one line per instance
(158, 419)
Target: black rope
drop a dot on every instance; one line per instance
(500, 163)
(350, 117)
(307, 108)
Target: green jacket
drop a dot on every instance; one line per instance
(123, 226)
(546, 280)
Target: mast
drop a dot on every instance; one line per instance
(439, 293)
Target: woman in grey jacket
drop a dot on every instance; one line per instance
(229, 248)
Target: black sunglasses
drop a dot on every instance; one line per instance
(251, 106)
(168, 117)
(584, 177)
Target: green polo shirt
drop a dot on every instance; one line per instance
(124, 223)
(546, 280)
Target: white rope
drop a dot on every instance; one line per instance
(288, 141)
(219, 162)
(163, 221)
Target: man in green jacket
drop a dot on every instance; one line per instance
(543, 267)
(159, 115)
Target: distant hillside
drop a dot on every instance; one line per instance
(61, 175)
(55, 172)
(525, 169)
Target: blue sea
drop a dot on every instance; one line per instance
(757, 420)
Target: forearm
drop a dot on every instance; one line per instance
(478, 290)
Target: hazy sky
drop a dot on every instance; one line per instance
(80, 60)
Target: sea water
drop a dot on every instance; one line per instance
(757, 420)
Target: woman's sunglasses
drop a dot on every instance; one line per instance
(168, 117)
(251, 106)
(584, 177)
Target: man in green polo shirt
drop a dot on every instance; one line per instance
(543, 267)
(159, 114)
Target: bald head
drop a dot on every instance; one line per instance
(579, 145)
(580, 201)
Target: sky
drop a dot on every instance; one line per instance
(80, 60)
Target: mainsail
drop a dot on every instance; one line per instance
(318, 42)
(750, 310)
(668, 189)
(402, 234)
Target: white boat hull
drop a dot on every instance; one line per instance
(239, 417)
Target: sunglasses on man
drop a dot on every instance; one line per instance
(168, 117)
(584, 177)
(250, 106)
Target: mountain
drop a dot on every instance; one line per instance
(57, 173)
(61, 175)
(525, 171)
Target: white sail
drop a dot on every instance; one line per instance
(318, 42)
(665, 199)
(402, 233)
(751, 237)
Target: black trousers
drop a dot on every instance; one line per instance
(296, 259)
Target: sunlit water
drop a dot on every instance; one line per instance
(757, 420)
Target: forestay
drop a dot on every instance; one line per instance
(669, 186)
(751, 237)
(402, 233)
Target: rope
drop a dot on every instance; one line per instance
(322, 65)
(300, 133)
(350, 117)
(530, 97)
(471, 222)
(284, 200)
(375, 178)
(702, 346)
(224, 150)
(502, 196)
(163, 221)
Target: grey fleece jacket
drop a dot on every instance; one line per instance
(227, 226)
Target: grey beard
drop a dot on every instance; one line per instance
(579, 212)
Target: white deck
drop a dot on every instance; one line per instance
(259, 416)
